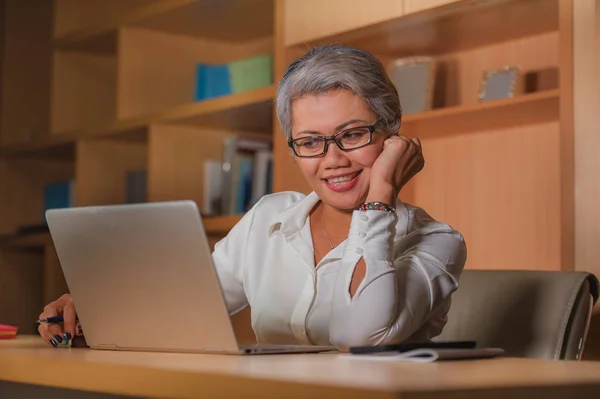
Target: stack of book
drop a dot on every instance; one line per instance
(244, 175)
(235, 77)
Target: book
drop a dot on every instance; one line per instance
(238, 162)
(261, 179)
(7, 332)
(427, 355)
(251, 73)
(211, 204)
(58, 195)
(211, 81)
(136, 182)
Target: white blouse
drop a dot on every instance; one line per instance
(413, 264)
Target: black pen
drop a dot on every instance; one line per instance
(53, 319)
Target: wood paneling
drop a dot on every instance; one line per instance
(586, 103)
(26, 61)
(55, 284)
(84, 91)
(567, 141)
(76, 17)
(3, 32)
(21, 193)
(288, 175)
(411, 6)
(101, 167)
(312, 19)
(587, 138)
(176, 161)
(280, 62)
(92, 26)
(21, 289)
(231, 20)
(501, 189)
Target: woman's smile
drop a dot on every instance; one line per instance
(342, 182)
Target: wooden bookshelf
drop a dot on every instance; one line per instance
(102, 88)
(497, 171)
(106, 88)
(248, 112)
(523, 109)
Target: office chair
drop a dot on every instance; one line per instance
(532, 314)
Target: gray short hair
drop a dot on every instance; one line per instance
(333, 67)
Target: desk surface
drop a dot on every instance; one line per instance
(28, 359)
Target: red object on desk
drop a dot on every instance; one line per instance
(7, 332)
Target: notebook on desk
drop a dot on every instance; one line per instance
(426, 355)
(142, 278)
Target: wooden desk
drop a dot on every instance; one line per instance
(28, 360)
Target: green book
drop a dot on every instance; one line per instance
(251, 73)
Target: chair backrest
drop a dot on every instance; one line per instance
(535, 314)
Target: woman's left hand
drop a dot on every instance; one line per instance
(400, 160)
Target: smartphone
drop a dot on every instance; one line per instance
(408, 346)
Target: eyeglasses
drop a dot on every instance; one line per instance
(347, 139)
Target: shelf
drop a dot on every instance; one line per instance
(26, 241)
(230, 20)
(220, 224)
(454, 27)
(232, 112)
(519, 110)
(214, 225)
(249, 111)
(171, 79)
(50, 146)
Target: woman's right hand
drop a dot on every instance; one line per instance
(52, 332)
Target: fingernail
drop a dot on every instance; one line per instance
(58, 338)
(79, 330)
(53, 342)
(68, 336)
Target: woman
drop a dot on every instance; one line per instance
(348, 264)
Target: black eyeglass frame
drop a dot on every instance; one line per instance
(372, 128)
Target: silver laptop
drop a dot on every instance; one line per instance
(142, 278)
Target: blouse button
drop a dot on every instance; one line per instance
(364, 218)
(362, 234)
(359, 251)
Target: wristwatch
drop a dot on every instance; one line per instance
(376, 206)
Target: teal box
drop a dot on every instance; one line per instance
(251, 73)
(212, 81)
